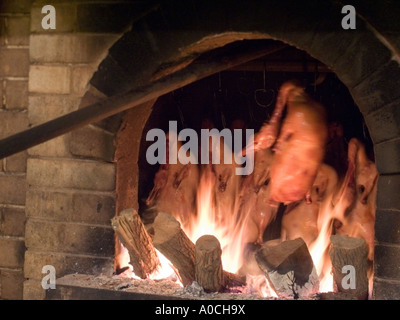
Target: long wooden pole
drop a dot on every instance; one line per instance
(197, 70)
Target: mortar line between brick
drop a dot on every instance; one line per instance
(80, 160)
(387, 244)
(70, 222)
(11, 269)
(383, 210)
(12, 206)
(16, 78)
(70, 65)
(33, 250)
(46, 94)
(15, 14)
(77, 33)
(13, 174)
(378, 111)
(13, 238)
(371, 74)
(387, 141)
(16, 46)
(72, 190)
(389, 174)
(387, 280)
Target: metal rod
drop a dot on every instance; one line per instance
(199, 69)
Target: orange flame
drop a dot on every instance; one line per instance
(165, 270)
(232, 232)
(227, 229)
(319, 250)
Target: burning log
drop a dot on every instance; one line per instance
(349, 265)
(289, 268)
(133, 235)
(174, 244)
(208, 266)
(233, 280)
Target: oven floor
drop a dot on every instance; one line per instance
(90, 287)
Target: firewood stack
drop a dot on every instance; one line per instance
(287, 265)
(200, 262)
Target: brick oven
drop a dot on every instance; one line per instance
(57, 197)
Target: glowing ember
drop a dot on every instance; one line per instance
(165, 271)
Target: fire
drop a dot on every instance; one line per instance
(227, 229)
(234, 227)
(261, 285)
(231, 232)
(319, 250)
(165, 271)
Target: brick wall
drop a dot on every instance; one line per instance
(14, 73)
(57, 198)
(70, 190)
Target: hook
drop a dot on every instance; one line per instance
(264, 92)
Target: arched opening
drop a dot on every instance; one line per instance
(246, 93)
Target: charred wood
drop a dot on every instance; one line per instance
(349, 258)
(289, 268)
(208, 266)
(133, 235)
(175, 245)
